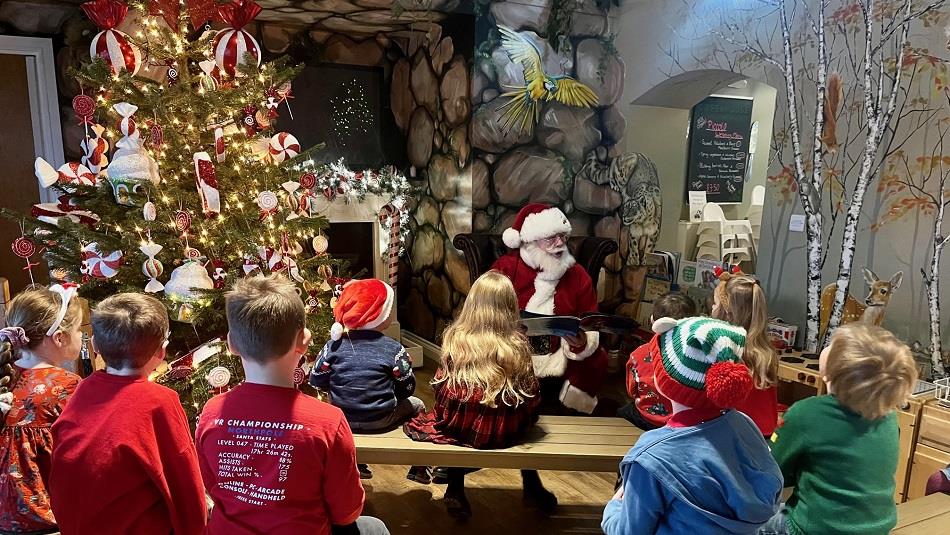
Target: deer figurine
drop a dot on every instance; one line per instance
(872, 311)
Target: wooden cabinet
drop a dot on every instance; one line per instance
(932, 451)
(927, 460)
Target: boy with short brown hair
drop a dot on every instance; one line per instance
(123, 460)
(274, 459)
(840, 451)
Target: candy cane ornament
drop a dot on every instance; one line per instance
(392, 214)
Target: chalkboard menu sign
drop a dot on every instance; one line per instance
(719, 148)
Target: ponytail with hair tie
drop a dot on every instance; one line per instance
(15, 335)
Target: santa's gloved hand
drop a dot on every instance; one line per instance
(587, 343)
(577, 342)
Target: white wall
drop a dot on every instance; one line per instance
(661, 134)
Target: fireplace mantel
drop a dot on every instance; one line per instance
(344, 209)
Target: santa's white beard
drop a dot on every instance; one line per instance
(552, 269)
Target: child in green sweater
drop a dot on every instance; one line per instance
(840, 451)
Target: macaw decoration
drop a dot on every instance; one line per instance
(524, 108)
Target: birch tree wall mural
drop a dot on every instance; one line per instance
(845, 69)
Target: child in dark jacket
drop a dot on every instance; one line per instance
(367, 374)
(708, 470)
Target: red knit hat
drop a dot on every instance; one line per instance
(702, 363)
(363, 304)
(535, 221)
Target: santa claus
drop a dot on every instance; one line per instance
(549, 281)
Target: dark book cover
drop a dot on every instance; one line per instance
(563, 326)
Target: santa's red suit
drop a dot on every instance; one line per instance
(555, 286)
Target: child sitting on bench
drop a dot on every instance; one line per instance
(367, 374)
(486, 393)
(649, 410)
(708, 470)
(840, 450)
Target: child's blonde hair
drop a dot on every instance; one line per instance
(484, 350)
(871, 372)
(265, 314)
(34, 310)
(742, 303)
(128, 328)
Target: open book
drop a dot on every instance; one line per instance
(561, 326)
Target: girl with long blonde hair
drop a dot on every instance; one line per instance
(739, 299)
(486, 393)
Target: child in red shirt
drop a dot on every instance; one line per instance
(650, 410)
(739, 299)
(123, 460)
(275, 460)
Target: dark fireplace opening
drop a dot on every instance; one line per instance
(352, 243)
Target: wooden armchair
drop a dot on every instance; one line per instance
(481, 251)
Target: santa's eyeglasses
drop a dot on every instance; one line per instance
(553, 241)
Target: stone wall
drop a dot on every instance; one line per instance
(431, 103)
(512, 167)
(429, 98)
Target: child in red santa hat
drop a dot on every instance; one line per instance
(708, 470)
(367, 374)
(548, 281)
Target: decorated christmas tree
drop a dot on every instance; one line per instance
(189, 178)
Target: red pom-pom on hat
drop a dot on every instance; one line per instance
(728, 384)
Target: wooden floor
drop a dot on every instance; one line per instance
(495, 495)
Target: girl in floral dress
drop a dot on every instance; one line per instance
(42, 335)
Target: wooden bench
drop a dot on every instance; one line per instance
(924, 516)
(556, 443)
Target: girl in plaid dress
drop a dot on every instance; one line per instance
(486, 393)
(42, 335)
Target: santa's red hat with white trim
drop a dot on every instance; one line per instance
(534, 222)
(363, 304)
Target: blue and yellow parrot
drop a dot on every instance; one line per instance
(524, 108)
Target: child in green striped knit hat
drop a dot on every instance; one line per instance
(709, 469)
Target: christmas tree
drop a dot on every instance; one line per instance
(202, 186)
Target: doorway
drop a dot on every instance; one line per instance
(31, 128)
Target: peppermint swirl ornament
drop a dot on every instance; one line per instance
(308, 180)
(23, 247)
(149, 212)
(182, 221)
(283, 146)
(156, 136)
(267, 201)
(192, 254)
(320, 244)
(299, 376)
(85, 107)
(218, 377)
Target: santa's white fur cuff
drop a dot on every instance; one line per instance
(550, 365)
(575, 398)
(593, 341)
